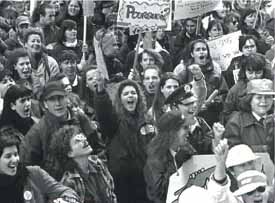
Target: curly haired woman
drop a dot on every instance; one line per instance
(123, 125)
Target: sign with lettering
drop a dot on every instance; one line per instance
(197, 171)
(223, 49)
(145, 15)
(192, 8)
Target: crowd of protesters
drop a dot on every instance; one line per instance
(70, 134)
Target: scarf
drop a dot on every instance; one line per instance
(12, 187)
(70, 44)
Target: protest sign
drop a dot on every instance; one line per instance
(197, 171)
(144, 15)
(223, 49)
(88, 7)
(192, 8)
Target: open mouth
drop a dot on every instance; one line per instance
(13, 167)
(258, 201)
(202, 57)
(86, 144)
(27, 111)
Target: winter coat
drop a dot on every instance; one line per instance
(35, 146)
(98, 171)
(126, 149)
(243, 128)
(233, 98)
(41, 184)
(157, 174)
(32, 185)
(47, 68)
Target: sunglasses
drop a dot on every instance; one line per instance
(235, 22)
(260, 189)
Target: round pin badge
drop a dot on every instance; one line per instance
(27, 195)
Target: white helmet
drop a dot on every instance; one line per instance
(239, 154)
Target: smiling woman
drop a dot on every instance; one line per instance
(252, 125)
(25, 184)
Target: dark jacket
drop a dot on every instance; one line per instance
(103, 191)
(233, 98)
(60, 47)
(126, 150)
(41, 184)
(157, 173)
(35, 146)
(201, 137)
(243, 128)
(31, 185)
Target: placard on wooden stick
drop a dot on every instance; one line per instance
(145, 15)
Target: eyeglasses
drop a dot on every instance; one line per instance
(260, 189)
(235, 22)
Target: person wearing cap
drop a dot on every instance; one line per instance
(35, 146)
(200, 134)
(251, 66)
(252, 125)
(251, 183)
(22, 23)
(166, 153)
(198, 53)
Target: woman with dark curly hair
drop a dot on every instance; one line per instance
(125, 128)
(81, 170)
(19, 64)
